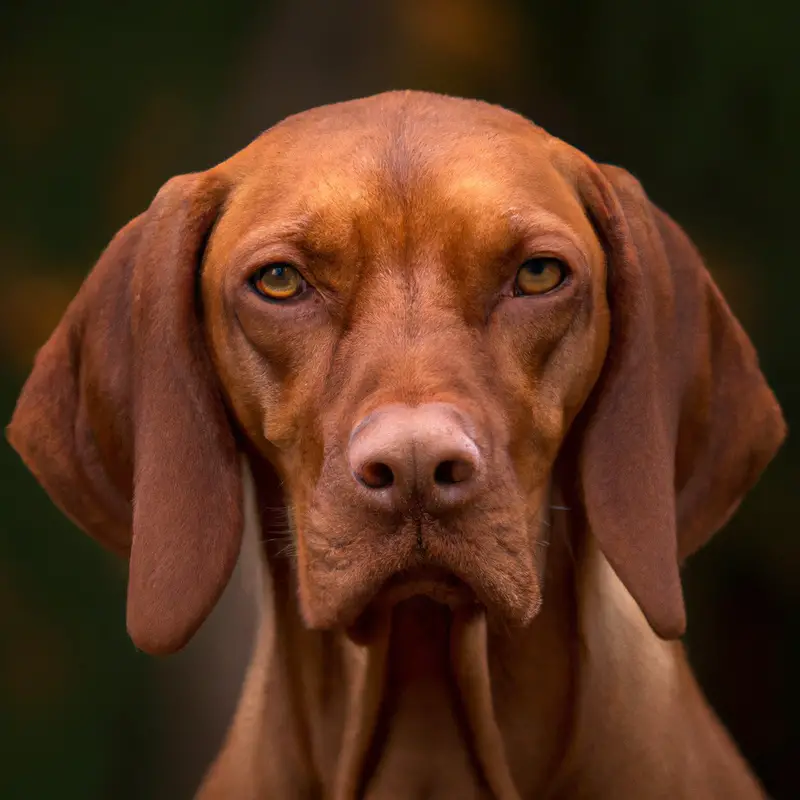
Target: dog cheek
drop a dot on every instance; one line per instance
(325, 553)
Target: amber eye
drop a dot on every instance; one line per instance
(278, 282)
(539, 275)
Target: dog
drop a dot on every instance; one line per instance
(489, 397)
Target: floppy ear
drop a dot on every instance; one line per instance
(122, 422)
(682, 421)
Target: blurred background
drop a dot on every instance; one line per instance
(100, 103)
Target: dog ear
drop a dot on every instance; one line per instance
(682, 422)
(122, 422)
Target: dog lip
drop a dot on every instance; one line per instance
(435, 583)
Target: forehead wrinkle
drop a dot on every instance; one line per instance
(537, 222)
(289, 230)
(399, 158)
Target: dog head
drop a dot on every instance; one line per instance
(403, 304)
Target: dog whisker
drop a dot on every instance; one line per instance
(289, 551)
(277, 527)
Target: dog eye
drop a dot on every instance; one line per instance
(278, 282)
(539, 275)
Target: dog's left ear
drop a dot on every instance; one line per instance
(682, 422)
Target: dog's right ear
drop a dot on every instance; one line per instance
(123, 424)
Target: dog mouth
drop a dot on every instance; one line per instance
(484, 558)
(434, 583)
(427, 583)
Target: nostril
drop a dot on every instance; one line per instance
(376, 475)
(453, 471)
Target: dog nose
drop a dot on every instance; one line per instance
(420, 456)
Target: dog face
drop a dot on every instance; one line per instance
(449, 306)
(403, 304)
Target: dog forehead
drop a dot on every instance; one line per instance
(386, 169)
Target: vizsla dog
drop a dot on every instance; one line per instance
(498, 399)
